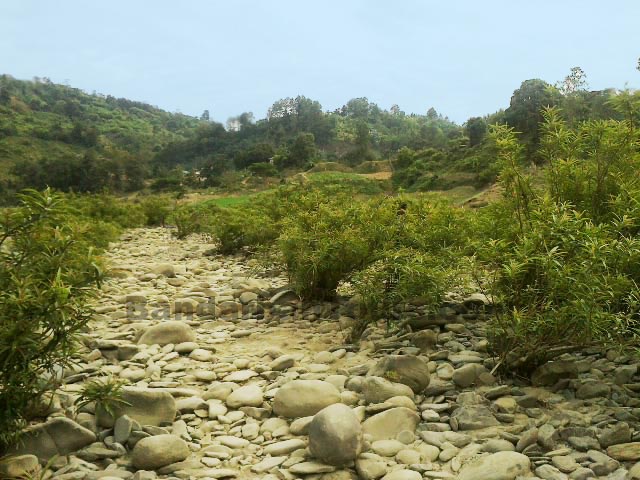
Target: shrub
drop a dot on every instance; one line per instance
(566, 269)
(107, 208)
(322, 246)
(238, 227)
(46, 277)
(156, 209)
(263, 170)
(104, 394)
(398, 276)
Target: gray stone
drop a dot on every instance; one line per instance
(497, 466)
(551, 372)
(335, 435)
(285, 447)
(407, 369)
(58, 436)
(302, 398)
(593, 390)
(547, 436)
(498, 445)
(473, 417)
(147, 406)
(122, 429)
(285, 297)
(624, 374)
(283, 362)
(378, 389)
(548, 472)
(468, 374)
(152, 453)
(309, 468)
(19, 466)
(565, 463)
(618, 433)
(388, 424)
(167, 332)
(634, 472)
(370, 468)
(247, 396)
(402, 475)
(582, 473)
(165, 269)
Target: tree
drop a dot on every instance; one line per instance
(574, 82)
(205, 116)
(476, 130)
(46, 277)
(259, 153)
(525, 110)
(302, 151)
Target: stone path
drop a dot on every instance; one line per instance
(229, 376)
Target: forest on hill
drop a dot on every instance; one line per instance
(59, 136)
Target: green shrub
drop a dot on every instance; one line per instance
(399, 276)
(321, 246)
(46, 277)
(240, 227)
(156, 209)
(104, 394)
(263, 170)
(107, 208)
(565, 269)
(190, 219)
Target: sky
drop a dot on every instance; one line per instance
(464, 58)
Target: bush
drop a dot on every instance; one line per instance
(399, 276)
(263, 170)
(156, 209)
(47, 275)
(239, 227)
(566, 267)
(107, 208)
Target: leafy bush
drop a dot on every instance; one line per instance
(46, 276)
(107, 208)
(104, 394)
(566, 269)
(398, 276)
(263, 170)
(239, 227)
(156, 209)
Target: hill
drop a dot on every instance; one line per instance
(64, 137)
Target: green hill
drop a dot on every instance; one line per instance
(61, 136)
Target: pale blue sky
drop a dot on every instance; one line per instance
(464, 58)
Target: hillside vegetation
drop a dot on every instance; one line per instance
(55, 135)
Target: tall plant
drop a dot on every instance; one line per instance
(46, 276)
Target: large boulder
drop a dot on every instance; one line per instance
(335, 435)
(165, 269)
(167, 332)
(388, 424)
(19, 466)
(247, 396)
(473, 417)
(58, 436)
(407, 369)
(145, 405)
(497, 466)
(155, 452)
(550, 372)
(378, 389)
(303, 398)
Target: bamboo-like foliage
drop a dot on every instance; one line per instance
(47, 272)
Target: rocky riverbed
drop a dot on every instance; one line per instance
(230, 376)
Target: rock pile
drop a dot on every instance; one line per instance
(230, 376)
